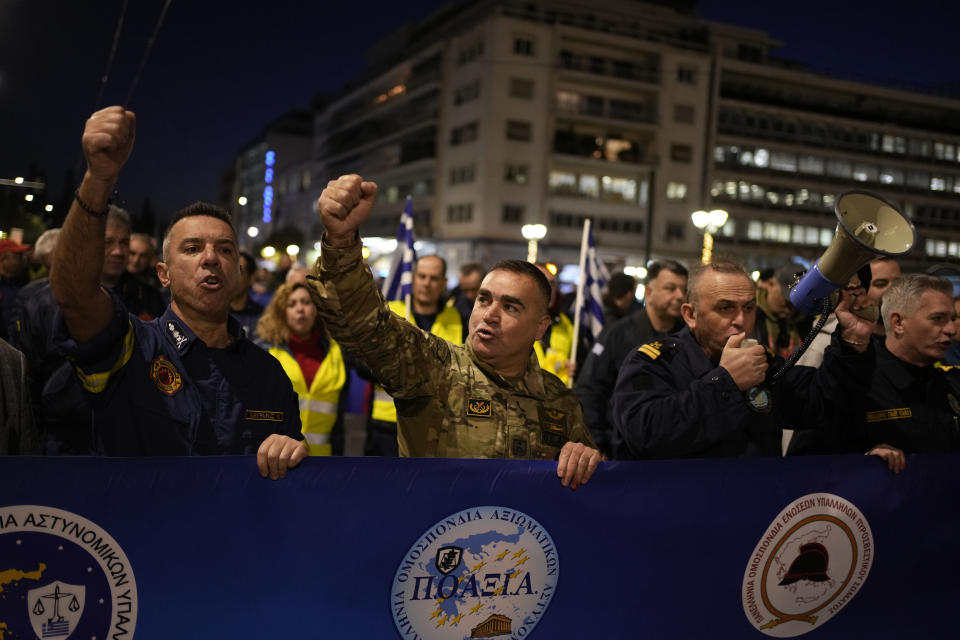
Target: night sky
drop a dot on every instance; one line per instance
(219, 71)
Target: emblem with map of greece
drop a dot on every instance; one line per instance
(483, 572)
(62, 576)
(813, 559)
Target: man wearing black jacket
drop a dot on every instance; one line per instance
(665, 291)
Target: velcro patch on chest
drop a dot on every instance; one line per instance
(479, 408)
(263, 416)
(889, 414)
(553, 426)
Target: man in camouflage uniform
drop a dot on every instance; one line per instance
(486, 398)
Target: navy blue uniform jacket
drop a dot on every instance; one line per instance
(159, 390)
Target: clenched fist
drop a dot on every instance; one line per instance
(107, 142)
(344, 205)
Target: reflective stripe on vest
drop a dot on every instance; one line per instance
(447, 325)
(318, 405)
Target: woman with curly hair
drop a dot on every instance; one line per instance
(297, 338)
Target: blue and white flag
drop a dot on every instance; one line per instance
(399, 284)
(593, 279)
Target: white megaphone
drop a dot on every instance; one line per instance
(867, 226)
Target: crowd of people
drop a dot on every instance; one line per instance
(116, 348)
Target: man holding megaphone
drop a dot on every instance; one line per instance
(698, 393)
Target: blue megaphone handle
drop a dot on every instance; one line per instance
(807, 296)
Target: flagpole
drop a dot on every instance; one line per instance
(577, 307)
(407, 296)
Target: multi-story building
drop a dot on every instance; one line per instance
(269, 185)
(497, 113)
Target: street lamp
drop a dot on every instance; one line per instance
(242, 201)
(533, 233)
(709, 222)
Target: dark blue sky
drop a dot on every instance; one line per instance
(219, 71)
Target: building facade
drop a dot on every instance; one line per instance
(495, 114)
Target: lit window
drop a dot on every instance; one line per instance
(718, 154)
(744, 190)
(811, 164)
(676, 191)
(563, 183)
(953, 249)
(716, 189)
(761, 158)
(731, 188)
(812, 235)
(783, 161)
(940, 248)
(619, 189)
(826, 236)
(755, 230)
(568, 101)
(938, 183)
(746, 158)
(589, 186)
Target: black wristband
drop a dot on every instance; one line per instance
(88, 208)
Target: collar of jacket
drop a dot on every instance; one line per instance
(530, 384)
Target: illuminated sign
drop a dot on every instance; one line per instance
(270, 159)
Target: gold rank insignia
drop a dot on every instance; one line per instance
(889, 414)
(165, 376)
(651, 350)
(479, 408)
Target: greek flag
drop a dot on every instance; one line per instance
(399, 283)
(593, 279)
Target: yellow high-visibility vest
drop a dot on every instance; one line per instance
(318, 404)
(554, 358)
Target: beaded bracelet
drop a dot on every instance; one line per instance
(88, 208)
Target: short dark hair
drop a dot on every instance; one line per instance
(472, 267)
(655, 267)
(620, 285)
(528, 269)
(196, 209)
(249, 263)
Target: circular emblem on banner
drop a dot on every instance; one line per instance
(165, 376)
(812, 560)
(479, 573)
(62, 576)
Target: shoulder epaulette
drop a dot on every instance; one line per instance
(654, 350)
(946, 367)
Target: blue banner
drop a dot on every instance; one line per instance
(829, 547)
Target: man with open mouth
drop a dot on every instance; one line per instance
(189, 382)
(488, 398)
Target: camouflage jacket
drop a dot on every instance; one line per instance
(449, 403)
